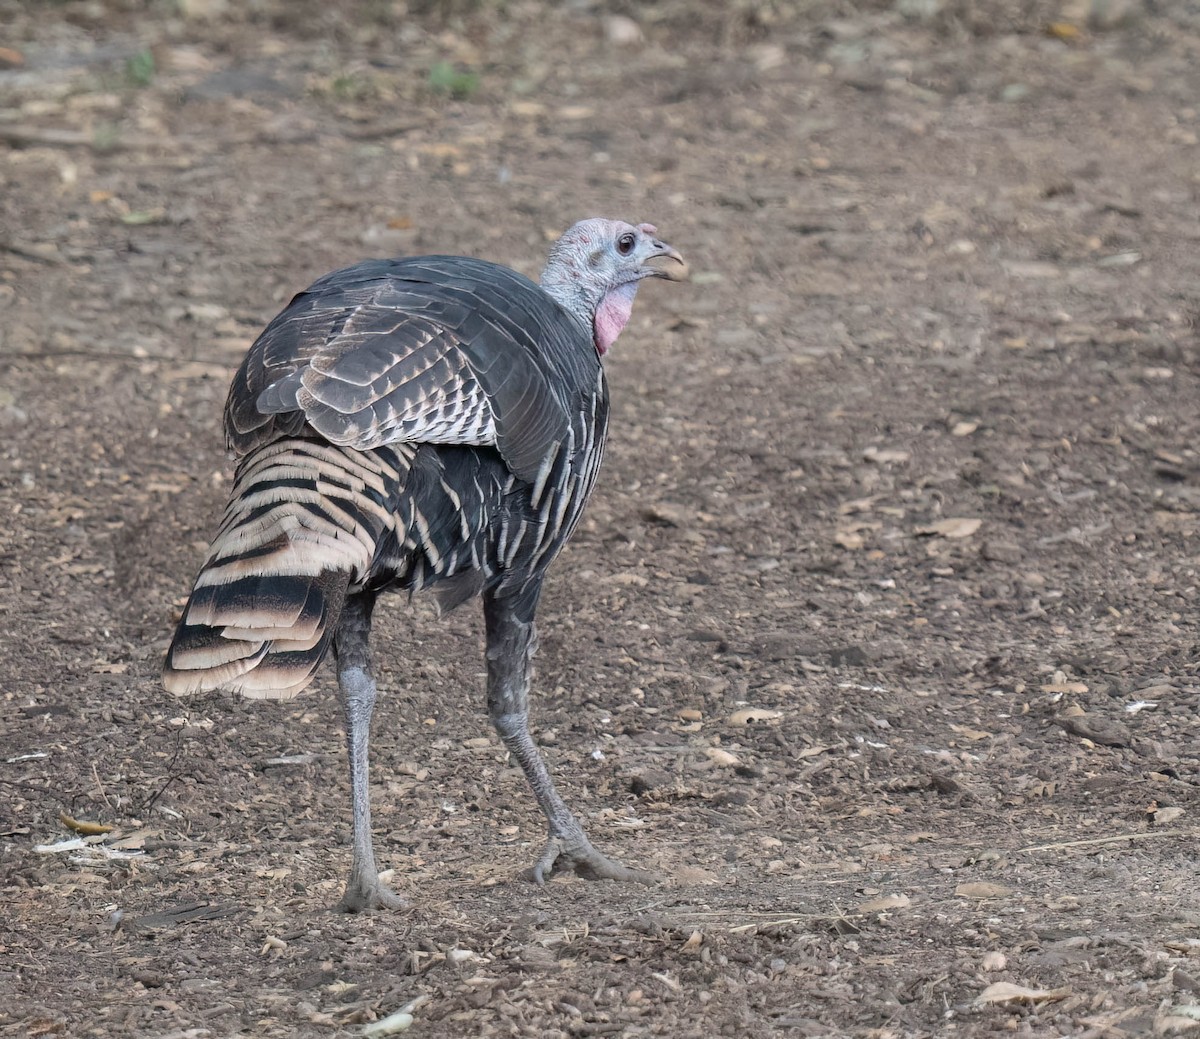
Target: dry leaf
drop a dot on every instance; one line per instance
(969, 733)
(885, 902)
(1006, 992)
(440, 150)
(849, 508)
(83, 826)
(628, 578)
(669, 514)
(953, 527)
(136, 841)
(1064, 31)
(694, 876)
(528, 110)
(812, 752)
(885, 455)
(848, 539)
(754, 716)
(138, 217)
(982, 889)
(849, 534)
(397, 1022)
(1072, 688)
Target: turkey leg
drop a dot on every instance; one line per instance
(364, 889)
(511, 643)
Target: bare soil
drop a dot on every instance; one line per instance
(908, 470)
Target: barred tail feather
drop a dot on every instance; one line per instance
(264, 656)
(302, 525)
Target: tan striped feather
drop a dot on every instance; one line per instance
(263, 607)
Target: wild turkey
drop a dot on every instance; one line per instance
(434, 422)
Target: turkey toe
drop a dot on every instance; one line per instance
(580, 858)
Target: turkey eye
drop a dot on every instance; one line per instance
(625, 243)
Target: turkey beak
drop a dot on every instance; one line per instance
(674, 269)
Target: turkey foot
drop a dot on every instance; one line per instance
(363, 895)
(575, 853)
(511, 642)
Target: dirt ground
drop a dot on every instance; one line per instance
(908, 472)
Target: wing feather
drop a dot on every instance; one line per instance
(440, 350)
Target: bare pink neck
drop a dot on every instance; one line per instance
(612, 315)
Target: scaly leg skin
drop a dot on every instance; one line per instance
(364, 889)
(510, 646)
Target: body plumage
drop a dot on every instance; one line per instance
(428, 423)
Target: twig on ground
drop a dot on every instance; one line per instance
(1112, 839)
(103, 793)
(29, 254)
(54, 137)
